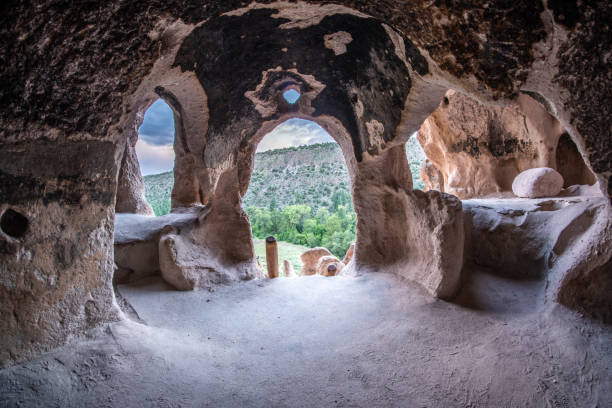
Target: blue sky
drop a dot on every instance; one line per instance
(291, 96)
(156, 136)
(155, 139)
(294, 132)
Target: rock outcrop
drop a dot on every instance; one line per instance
(311, 258)
(136, 242)
(329, 266)
(130, 186)
(538, 182)
(288, 271)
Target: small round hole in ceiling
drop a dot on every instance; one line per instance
(291, 96)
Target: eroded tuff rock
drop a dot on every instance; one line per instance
(406, 231)
(136, 242)
(192, 257)
(466, 44)
(76, 91)
(329, 266)
(57, 272)
(567, 241)
(130, 186)
(176, 260)
(288, 269)
(475, 150)
(349, 254)
(538, 182)
(311, 258)
(571, 165)
(431, 176)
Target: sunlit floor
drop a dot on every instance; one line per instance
(369, 341)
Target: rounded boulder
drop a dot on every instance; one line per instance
(538, 182)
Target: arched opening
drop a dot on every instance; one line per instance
(145, 185)
(155, 153)
(148, 152)
(300, 192)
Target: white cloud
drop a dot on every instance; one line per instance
(294, 132)
(154, 159)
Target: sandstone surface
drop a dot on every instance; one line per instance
(74, 96)
(564, 241)
(329, 266)
(349, 254)
(310, 259)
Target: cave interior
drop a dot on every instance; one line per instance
(491, 287)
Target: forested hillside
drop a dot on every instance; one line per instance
(308, 175)
(299, 194)
(158, 189)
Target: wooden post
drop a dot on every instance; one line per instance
(272, 257)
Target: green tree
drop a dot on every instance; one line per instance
(273, 204)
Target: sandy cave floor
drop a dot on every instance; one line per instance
(369, 341)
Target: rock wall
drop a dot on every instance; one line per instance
(76, 80)
(413, 234)
(130, 186)
(56, 253)
(566, 241)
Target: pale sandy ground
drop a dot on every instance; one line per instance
(369, 341)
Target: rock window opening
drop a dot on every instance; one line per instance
(417, 161)
(291, 96)
(156, 155)
(300, 193)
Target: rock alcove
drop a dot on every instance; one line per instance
(492, 91)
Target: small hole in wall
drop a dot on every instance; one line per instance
(291, 96)
(446, 101)
(13, 223)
